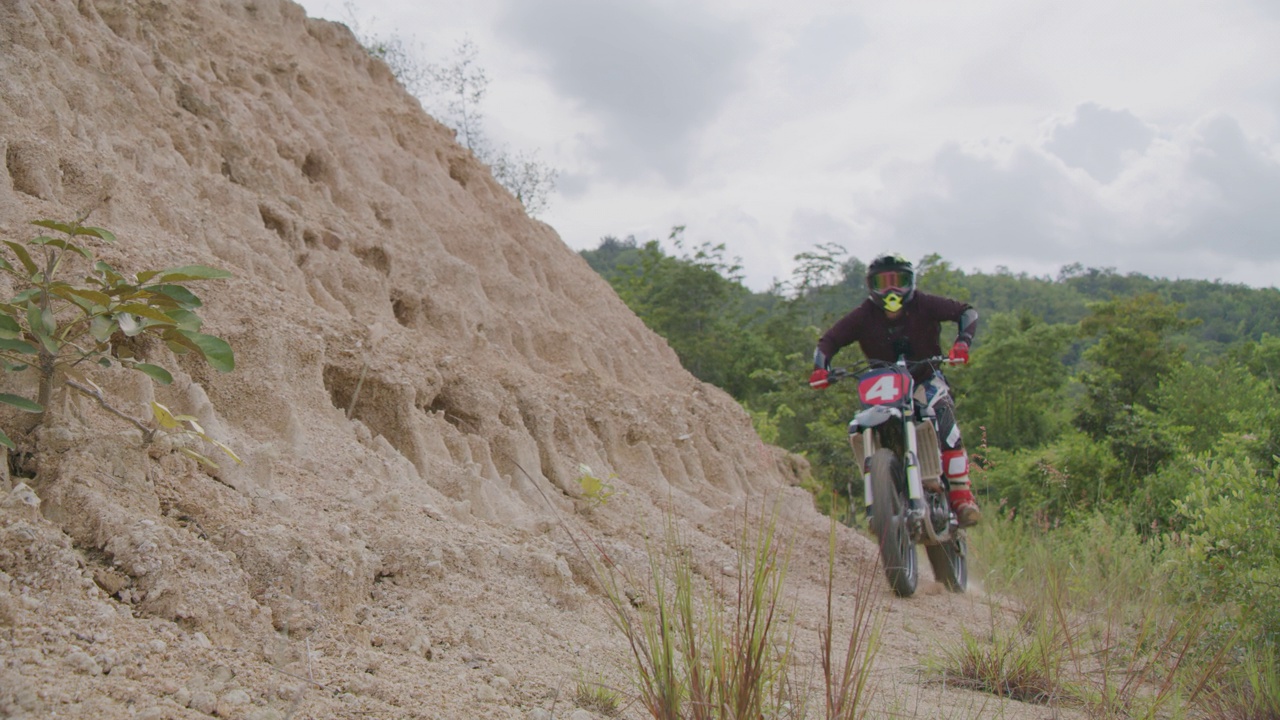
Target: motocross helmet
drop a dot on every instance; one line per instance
(891, 281)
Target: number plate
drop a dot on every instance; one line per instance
(882, 388)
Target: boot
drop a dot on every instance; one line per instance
(965, 507)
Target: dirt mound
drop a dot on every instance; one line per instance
(421, 369)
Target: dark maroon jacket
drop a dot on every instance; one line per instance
(880, 338)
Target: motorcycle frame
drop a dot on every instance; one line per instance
(871, 422)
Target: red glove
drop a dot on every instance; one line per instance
(818, 380)
(960, 353)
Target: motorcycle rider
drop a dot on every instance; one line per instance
(894, 320)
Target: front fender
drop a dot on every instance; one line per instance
(872, 417)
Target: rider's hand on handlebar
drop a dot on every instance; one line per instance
(818, 380)
(959, 353)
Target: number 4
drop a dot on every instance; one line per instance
(884, 389)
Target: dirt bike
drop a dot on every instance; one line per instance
(896, 444)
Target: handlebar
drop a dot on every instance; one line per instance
(836, 374)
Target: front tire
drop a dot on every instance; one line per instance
(889, 523)
(950, 564)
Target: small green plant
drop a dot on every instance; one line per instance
(596, 490)
(61, 328)
(1013, 665)
(598, 697)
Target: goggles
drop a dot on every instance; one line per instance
(890, 280)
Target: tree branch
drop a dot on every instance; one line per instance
(147, 432)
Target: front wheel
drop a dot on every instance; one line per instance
(889, 522)
(950, 564)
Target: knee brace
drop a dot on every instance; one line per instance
(955, 466)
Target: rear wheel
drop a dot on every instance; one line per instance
(889, 523)
(950, 564)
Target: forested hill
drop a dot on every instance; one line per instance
(1221, 313)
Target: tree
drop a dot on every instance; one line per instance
(1013, 387)
(1133, 353)
(462, 83)
(453, 91)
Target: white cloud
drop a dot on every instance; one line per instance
(1028, 133)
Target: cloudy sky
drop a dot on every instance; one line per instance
(1142, 135)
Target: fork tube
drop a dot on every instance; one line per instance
(915, 487)
(866, 466)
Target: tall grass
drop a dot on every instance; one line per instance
(703, 652)
(1098, 626)
(696, 654)
(845, 674)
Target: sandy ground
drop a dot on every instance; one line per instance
(421, 370)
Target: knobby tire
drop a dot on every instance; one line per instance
(950, 566)
(889, 522)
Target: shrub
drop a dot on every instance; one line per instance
(60, 328)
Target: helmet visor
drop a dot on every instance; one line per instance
(887, 280)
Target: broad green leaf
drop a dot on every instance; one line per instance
(178, 345)
(85, 306)
(156, 372)
(104, 362)
(4, 265)
(21, 403)
(226, 450)
(164, 417)
(102, 328)
(145, 311)
(18, 346)
(56, 225)
(63, 244)
(9, 328)
(184, 297)
(5, 441)
(51, 345)
(216, 351)
(23, 256)
(198, 457)
(99, 298)
(109, 272)
(40, 321)
(101, 233)
(190, 272)
(185, 320)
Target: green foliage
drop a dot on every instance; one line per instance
(937, 276)
(596, 490)
(1012, 388)
(1132, 353)
(695, 301)
(1232, 539)
(60, 328)
(1044, 484)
